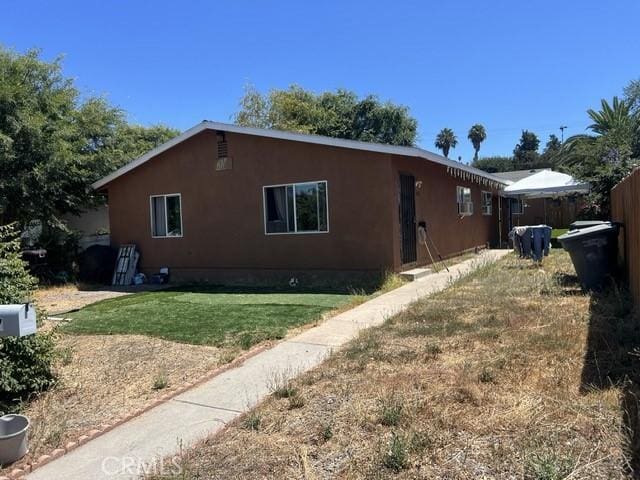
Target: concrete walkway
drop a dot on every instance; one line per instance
(125, 451)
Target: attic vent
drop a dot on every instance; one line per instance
(224, 160)
(223, 149)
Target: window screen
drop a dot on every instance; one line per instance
(487, 200)
(296, 208)
(463, 195)
(166, 216)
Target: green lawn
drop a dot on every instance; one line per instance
(206, 315)
(556, 232)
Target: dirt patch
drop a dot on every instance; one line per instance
(57, 300)
(65, 298)
(484, 380)
(103, 378)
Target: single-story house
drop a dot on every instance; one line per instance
(542, 196)
(226, 203)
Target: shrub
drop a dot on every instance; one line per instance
(486, 375)
(160, 381)
(396, 457)
(285, 391)
(25, 363)
(391, 409)
(296, 401)
(252, 421)
(548, 466)
(16, 285)
(327, 433)
(62, 246)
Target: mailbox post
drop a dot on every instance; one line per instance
(17, 320)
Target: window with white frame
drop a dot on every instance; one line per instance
(487, 202)
(463, 196)
(296, 208)
(166, 215)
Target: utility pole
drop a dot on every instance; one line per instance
(562, 133)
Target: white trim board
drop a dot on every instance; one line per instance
(295, 137)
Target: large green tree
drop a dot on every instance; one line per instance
(494, 164)
(525, 154)
(477, 134)
(632, 98)
(446, 140)
(551, 154)
(54, 142)
(340, 114)
(607, 154)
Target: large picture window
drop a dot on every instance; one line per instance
(166, 216)
(296, 208)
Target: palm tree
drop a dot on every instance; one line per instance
(613, 121)
(446, 140)
(477, 135)
(614, 117)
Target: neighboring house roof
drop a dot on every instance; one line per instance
(546, 183)
(299, 137)
(517, 175)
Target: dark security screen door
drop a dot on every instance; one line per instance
(407, 218)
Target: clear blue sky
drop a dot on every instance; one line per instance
(507, 64)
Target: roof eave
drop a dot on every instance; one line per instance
(299, 137)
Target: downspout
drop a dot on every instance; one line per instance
(500, 220)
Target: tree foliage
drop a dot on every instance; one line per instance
(494, 164)
(340, 114)
(25, 363)
(477, 134)
(552, 153)
(54, 142)
(446, 140)
(525, 154)
(605, 156)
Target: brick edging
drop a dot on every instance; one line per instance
(19, 473)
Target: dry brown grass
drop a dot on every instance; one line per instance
(487, 379)
(103, 378)
(64, 298)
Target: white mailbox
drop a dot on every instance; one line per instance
(17, 320)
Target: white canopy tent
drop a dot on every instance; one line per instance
(546, 184)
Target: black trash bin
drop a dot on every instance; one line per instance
(593, 251)
(579, 224)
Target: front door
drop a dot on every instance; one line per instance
(407, 209)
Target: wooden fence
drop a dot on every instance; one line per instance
(625, 208)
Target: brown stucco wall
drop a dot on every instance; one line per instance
(222, 211)
(436, 205)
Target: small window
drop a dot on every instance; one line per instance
(487, 202)
(463, 198)
(517, 206)
(166, 216)
(296, 208)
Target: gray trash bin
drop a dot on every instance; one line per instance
(579, 224)
(13, 438)
(593, 251)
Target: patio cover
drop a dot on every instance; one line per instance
(546, 183)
